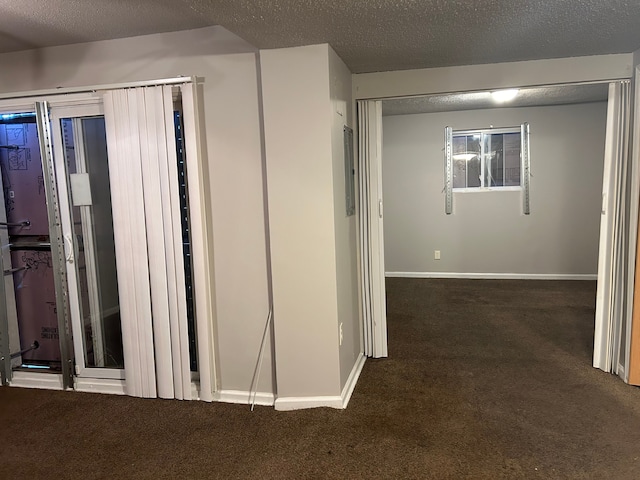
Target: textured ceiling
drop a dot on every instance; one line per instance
(26, 24)
(527, 97)
(380, 35)
(369, 35)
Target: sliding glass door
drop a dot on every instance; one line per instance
(32, 319)
(82, 176)
(59, 311)
(81, 300)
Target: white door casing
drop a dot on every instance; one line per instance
(370, 211)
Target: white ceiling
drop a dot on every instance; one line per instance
(369, 35)
(527, 97)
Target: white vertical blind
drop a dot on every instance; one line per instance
(150, 104)
(612, 299)
(175, 269)
(197, 175)
(123, 146)
(148, 236)
(371, 227)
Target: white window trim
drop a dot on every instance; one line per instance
(483, 132)
(508, 188)
(479, 131)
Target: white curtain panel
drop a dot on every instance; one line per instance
(370, 209)
(148, 233)
(614, 274)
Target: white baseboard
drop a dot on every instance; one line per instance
(298, 403)
(495, 276)
(110, 386)
(47, 381)
(340, 402)
(350, 384)
(244, 397)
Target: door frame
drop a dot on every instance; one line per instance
(370, 229)
(632, 334)
(75, 112)
(39, 104)
(633, 328)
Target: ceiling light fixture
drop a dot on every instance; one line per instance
(502, 96)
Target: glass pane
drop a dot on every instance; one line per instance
(186, 241)
(466, 161)
(30, 297)
(85, 148)
(494, 160)
(473, 161)
(459, 162)
(511, 159)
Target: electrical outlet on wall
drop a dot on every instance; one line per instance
(436, 254)
(340, 333)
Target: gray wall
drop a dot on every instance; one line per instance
(345, 227)
(307, 102)
(487, 233)
(297, 113)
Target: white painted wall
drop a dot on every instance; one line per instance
(228, 66)
(307, 102)
(487, 233)
(298, 120)
(345, 227)
(491, 76)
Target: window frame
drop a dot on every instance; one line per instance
(524, 187)
(483, 132)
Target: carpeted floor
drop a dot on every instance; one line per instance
(485, 380)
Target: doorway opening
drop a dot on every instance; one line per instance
(481, 245)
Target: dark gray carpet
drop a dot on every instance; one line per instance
(485, 380)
